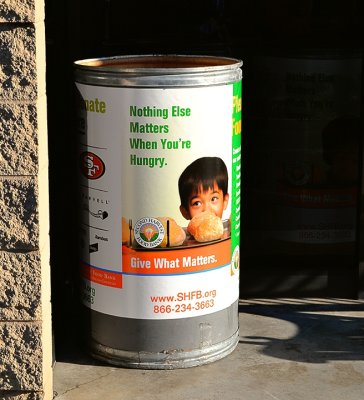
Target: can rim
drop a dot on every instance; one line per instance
(158, 63)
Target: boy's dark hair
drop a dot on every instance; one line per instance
(203, 172)
(341, 134)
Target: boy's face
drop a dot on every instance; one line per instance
(212, 200)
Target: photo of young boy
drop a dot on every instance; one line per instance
(203, 186)
(340, 150)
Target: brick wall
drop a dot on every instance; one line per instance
(25, 308)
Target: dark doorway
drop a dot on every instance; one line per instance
(297, 56)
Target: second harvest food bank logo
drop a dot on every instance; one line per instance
(92, 166)
(149, 232)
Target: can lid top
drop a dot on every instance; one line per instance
(173, 63)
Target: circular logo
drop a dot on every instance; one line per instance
(298, 173)
(92, 166)
(149, 232)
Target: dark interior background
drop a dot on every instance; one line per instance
(318, 29)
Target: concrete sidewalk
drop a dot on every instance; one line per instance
(289, 349)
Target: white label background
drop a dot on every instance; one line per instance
(139, 191)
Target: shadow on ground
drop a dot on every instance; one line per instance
(326, 330)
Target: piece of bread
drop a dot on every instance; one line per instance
(206, 226)
(176, 233)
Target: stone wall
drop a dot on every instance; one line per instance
(25, 307)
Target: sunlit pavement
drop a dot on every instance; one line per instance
(289, 349)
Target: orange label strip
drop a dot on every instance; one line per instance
(100, 276)
(177, 261)
(318, 198)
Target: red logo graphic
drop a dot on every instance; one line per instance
(92, 166)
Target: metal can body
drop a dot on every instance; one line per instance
(160, 149)
(306, 115)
